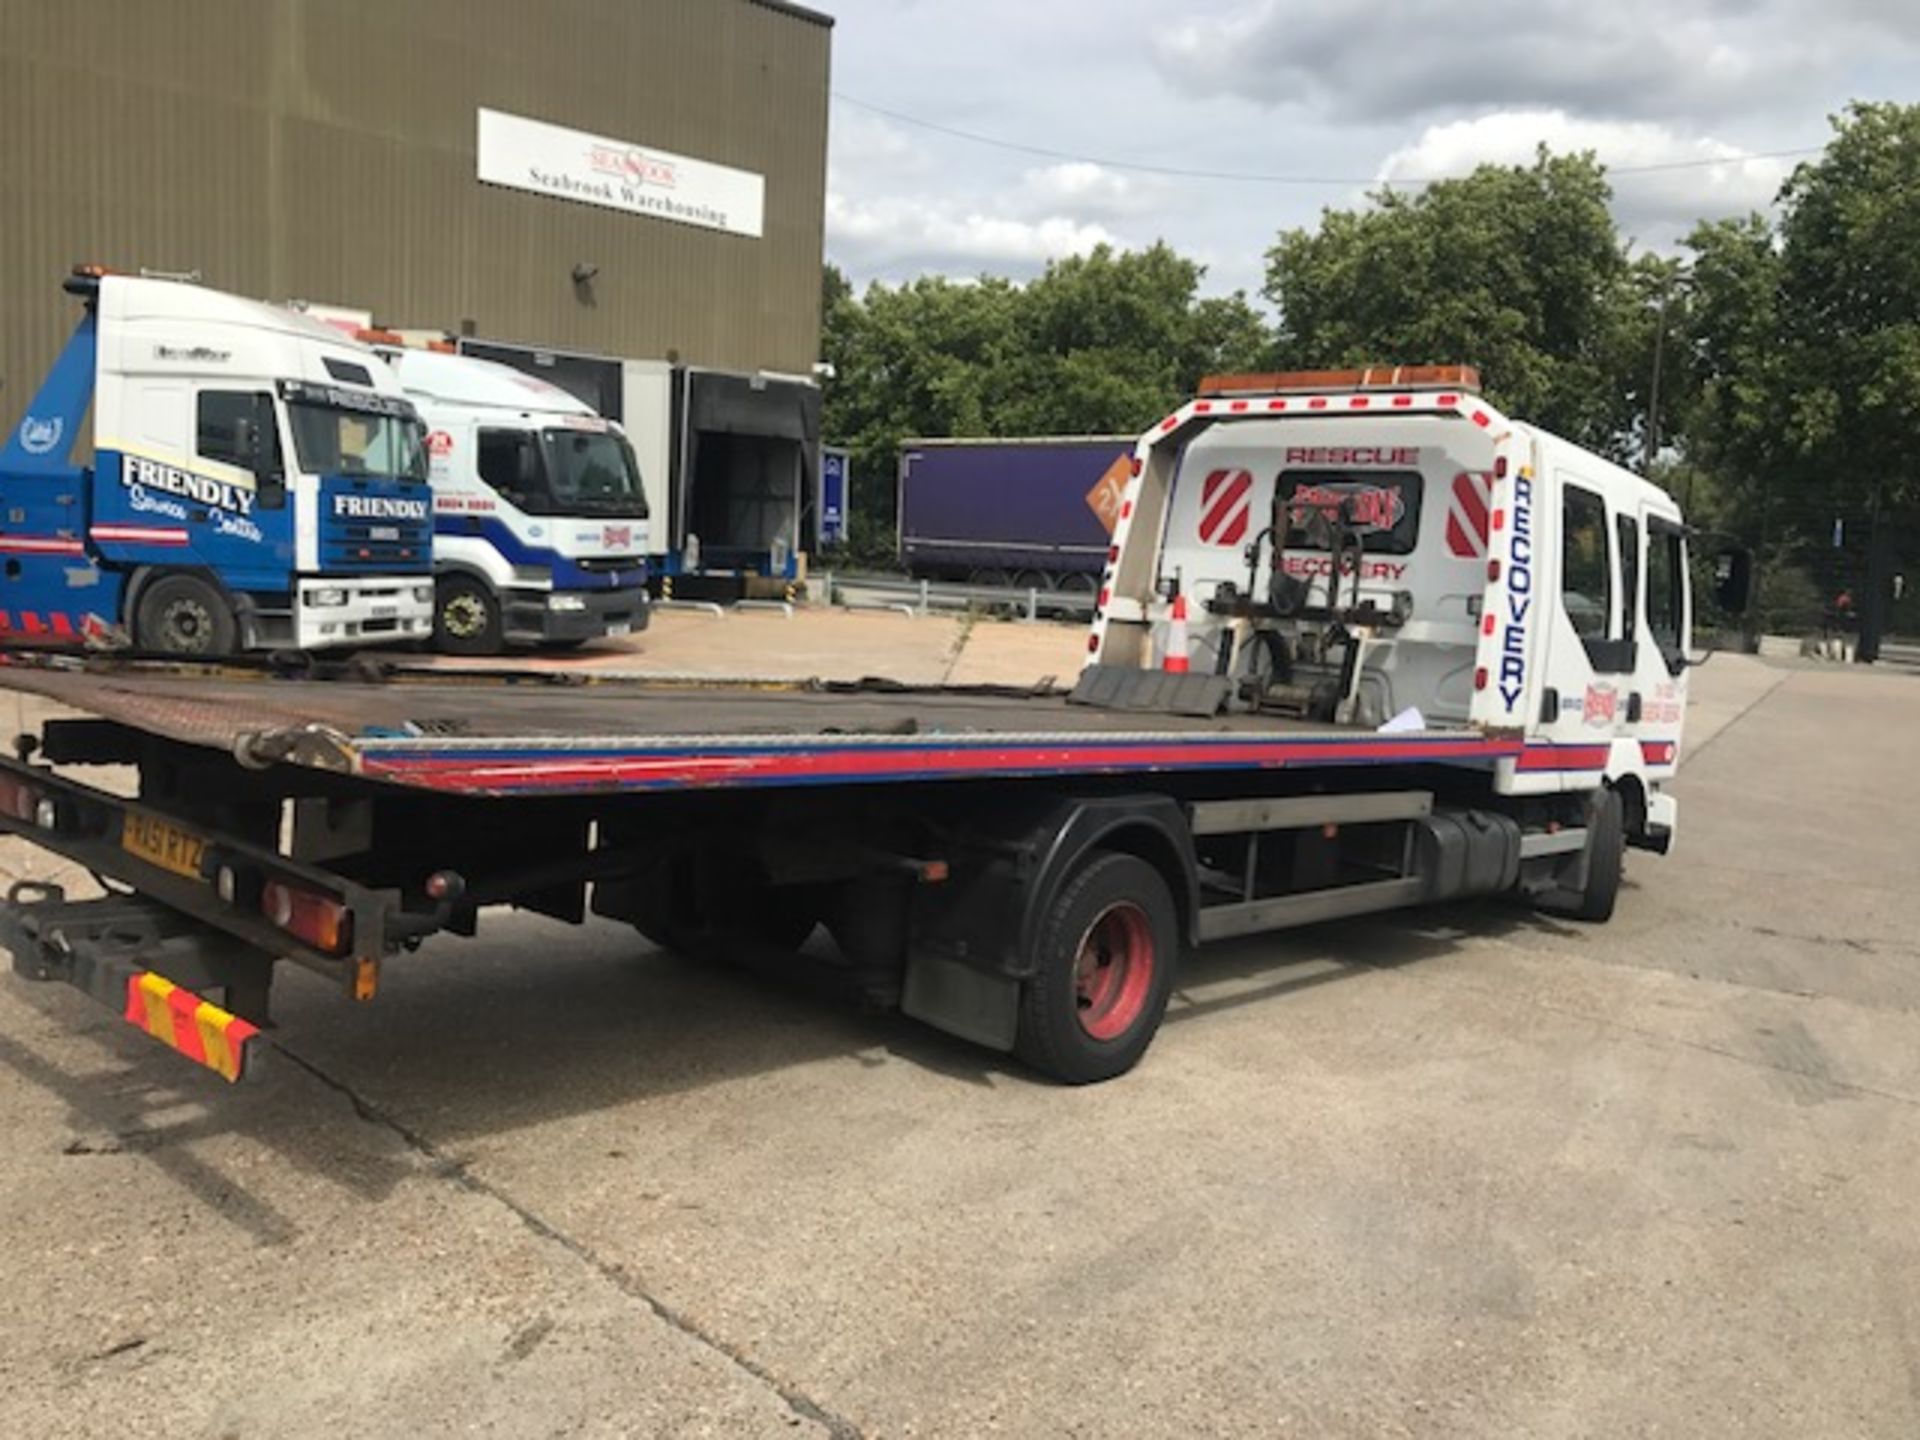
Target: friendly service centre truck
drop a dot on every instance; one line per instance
(729, 459)
(257, 482)
(1362, 642)
(540, 518)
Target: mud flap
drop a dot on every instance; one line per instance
(952, 996)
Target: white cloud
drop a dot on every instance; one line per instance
(1091, 191)
(1654, 207)
(1402, 59)
(899, 236)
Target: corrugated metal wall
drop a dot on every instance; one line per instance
(324, 150)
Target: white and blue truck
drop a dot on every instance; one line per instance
(257, 481)
(540, 517)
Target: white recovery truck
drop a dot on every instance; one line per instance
(540, 520)
(1362, 642)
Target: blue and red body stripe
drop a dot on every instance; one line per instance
(1537, 758)
(568, 573)
(755, 763)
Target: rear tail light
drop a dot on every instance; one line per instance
(18, 800)
(30, 804)
(323, 921)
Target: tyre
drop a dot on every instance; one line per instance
(1103, 970)
(1605, 862)
(466, 617)
(185, 615)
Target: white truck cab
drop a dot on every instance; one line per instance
(1385, 549)
(257, 479)
(540, 518)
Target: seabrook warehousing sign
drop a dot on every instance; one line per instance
(573, 165)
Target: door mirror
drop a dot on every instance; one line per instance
(1733, 580)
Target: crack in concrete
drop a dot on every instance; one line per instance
(1846, 942)
(803, 1406)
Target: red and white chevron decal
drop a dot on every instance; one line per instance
(1226, 507)
(1467, 515)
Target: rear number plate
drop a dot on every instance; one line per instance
(159, 842)
(384, 532)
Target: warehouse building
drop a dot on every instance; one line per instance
(632, 178)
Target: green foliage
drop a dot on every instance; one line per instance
(1515, 269)
(1804, 345)
(1850, 300)
(1101, 343)
(1786, 599)
(1789, 353)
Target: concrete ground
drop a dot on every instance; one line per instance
(932, 649)
(1466, 1172)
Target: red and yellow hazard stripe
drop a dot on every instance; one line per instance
(203, 1033)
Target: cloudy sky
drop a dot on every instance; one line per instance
(1340, 95)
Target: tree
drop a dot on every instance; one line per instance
(1516, 269)
(1850, 318)
(1805, 340)
(1100, 343)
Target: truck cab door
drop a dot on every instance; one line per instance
(1666, 618)
(1592, 650)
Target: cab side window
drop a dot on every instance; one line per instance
(508, 462)
(1628, 530)
(1667, 591)
(220, 416)
(1585, 569)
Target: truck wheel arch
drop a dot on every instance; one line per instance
(1151, 828)
(146, 576)
(1633, 802)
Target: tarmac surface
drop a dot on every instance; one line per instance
(1462, 1172)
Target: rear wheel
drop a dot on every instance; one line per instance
(185, 615)
(1102, 972)
(466, 617)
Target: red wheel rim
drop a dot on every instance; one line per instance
(1113, 971)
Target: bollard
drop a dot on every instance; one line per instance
(1033, 603)
(925, 586)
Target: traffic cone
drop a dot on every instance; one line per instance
(1175, 660)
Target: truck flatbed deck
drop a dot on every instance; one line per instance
(497, 735)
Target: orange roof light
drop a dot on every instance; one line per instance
(1373, 377)
(402, 340)
(92, 272)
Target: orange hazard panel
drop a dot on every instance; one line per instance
(203, 1033)
(1373, 377)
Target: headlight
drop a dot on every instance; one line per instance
(560, 601)
(423, 593)
(331, 595)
